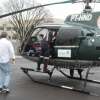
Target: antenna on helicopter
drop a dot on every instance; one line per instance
(87, 8)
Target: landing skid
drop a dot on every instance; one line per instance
(26, 70)
(83, 90)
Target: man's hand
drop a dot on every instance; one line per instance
(13, 61)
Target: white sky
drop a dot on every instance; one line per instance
(62, 10)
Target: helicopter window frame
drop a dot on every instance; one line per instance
(40, 30)
(46, 31)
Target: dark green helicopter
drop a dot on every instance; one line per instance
(81, 41)
(74, 45)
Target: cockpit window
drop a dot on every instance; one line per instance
(43, 31)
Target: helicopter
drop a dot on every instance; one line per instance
(76, 46)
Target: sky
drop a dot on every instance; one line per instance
(62, 10)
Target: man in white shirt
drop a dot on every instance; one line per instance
(6, 54)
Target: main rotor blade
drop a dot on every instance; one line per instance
(26, 9)
(19, 11)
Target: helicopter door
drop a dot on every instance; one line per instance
(67, 43)
(33, 44)
(87, 48)
(51, 40)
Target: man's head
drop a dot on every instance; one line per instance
(41, 35)
(3, 35)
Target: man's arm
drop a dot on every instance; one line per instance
(12, 52)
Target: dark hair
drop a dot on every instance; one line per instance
(3, 35)
(41, 35)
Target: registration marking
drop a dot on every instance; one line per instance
(64, 53)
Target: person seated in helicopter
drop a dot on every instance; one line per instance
(51, 40)
(44, 54)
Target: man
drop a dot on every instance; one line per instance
(44, 54)
(52, 39)
(6, 53)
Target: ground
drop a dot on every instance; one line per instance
(22, 88)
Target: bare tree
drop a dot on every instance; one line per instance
(25, 22)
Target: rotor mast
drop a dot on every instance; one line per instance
(88, 8)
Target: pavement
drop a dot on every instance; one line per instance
(22, 88)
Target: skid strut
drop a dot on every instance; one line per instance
(26, 71)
